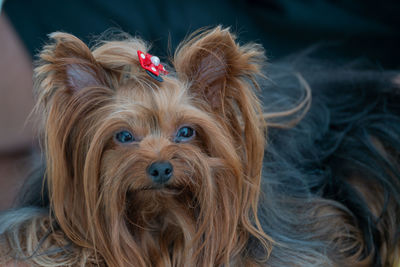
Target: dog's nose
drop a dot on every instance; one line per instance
(160, 172)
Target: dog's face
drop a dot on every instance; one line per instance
(147, 172)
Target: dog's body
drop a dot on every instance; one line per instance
(148, 173)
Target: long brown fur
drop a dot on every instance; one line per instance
(104, 209)
(101, 197)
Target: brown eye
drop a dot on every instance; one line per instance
(184, 134)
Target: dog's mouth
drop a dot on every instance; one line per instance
(161, 189)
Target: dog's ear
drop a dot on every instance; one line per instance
(68, 63)
(221, 75)
(216, 66)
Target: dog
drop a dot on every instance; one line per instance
(150, 165)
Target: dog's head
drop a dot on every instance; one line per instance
(147, 172)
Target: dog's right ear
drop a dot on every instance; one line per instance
(67, 64)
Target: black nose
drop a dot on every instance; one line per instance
(160, 172)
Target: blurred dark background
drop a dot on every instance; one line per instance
(365, 27)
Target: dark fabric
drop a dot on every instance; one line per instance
(364, 28)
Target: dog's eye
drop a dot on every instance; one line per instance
(184, 134)
(124, 137)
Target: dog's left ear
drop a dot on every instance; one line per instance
(216, 66)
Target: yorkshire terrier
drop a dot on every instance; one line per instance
(149, 165)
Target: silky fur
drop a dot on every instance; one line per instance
(103, 209)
